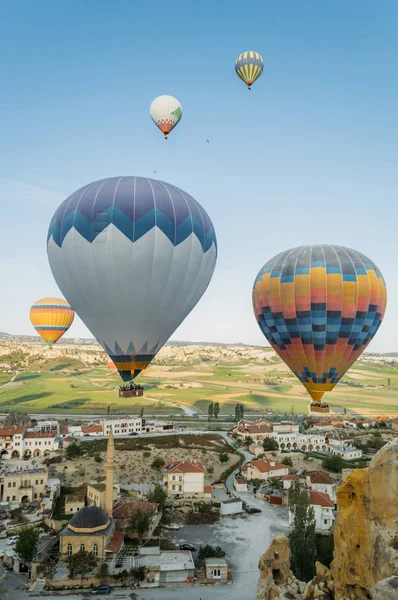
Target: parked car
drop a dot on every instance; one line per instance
(173, 526)
(253, 511)
(11, 540)
(187, 546)
(133, 433)
(8, 566)
(102, 590)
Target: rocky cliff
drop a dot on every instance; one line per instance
(366, 529)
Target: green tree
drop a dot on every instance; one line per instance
(142, 412)
(27, 543)
(216, 410)
(74, 450)
(333, 463)
(210, 411)
(140, 522)
(302, 537)
(82, 563)
(275, 483)
(210, 552)
(249, 441)
(97, 458)
(108, 409)
(224, 457)
(103, 571)
(287, 461)
(270, 444)
(158, 496)
(324, 548)
(158, 463)
(237, 412)
(138, 573)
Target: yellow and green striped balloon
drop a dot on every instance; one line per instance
(51, 317)
(249, 66)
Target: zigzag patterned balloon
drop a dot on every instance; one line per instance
(133, 256)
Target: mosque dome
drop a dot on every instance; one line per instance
(89, 519)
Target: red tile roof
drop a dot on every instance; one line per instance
(69, 439)
(116, 542)
(11, 430)
(244, 468)
(240, 480)
(184, 467)
(40, 434)
(258, 429)
(265, 466)
(92, 429)
(124, 509)
(321, 499)
(64, 430)
(291, 477)
(339, 436)
(208, 489)
(319, 477)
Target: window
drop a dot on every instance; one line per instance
(216, 573)
(37, 482)
(325, 521)
(173, 487)
(13, 498)
(69, 550)
(8, 498)
(180, 487)
(180, 478)
(95, 550)
(41, 482)
(35, 496)
(82, 548)
(9, 484)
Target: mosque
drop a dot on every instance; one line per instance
(92, 528)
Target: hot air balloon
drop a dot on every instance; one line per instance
(249, 66)
(51, 317)
(133, 256)
(166, 113)
(319, 307)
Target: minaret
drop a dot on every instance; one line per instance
(109, 470)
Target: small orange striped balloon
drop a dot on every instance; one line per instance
(51, 317)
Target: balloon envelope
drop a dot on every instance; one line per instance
(51, 317)
(166, 113)
(133, 256)
(319, 307)
(249, 66)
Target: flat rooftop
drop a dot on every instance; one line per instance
(168, 561)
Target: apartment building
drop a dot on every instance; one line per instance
(184, 478)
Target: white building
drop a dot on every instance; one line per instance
(323, 509)
(184, 478)
(356, 424)
(92, 430)
(40, 443)
(286, 427)
(320, 481)
(264, 469)
(240, 484)
(232, 506)
(121, 425)
(339, 444)
(47, 426)
(287, 480)
(300, 441)
(11, 442)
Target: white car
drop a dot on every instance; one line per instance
(173, 526)
(12, 540)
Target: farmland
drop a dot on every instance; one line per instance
(182, 381)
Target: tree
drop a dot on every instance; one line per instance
(333, 463)
(27, 543)
(142, 412)
(103, 571)
(216, 410)
(140, 522)
(158, 463)
(249, 441)
(270, 444)
(108, 409)
(158, 496)
(138, 573)
(237, 412)
(16, 418)
(74, 450)
(210, 552)
(82, 563)
(302, 537)
(211, 411)
(287, 461)
(224, 457)
(275, 483)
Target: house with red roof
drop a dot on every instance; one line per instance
(11, 441)
(320, 481)
(287, 480)
(40, 443)
(323, 509)
(265, 469)
(257, 430)
(124, 510)
(184, 478)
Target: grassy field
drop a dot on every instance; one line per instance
(67, 386)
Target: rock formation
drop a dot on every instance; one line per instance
(276, 579)
(366, 529)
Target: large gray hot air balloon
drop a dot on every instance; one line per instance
(133, 256)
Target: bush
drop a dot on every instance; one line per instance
(158, 463)
(333, 463)
(74, 450)
(270, 444)
(287, 461)
(324, 548)
(224, 458)
(210, 552)
(97, 458)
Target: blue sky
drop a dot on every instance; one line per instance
(308, 156)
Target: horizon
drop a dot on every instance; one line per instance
(306, 157)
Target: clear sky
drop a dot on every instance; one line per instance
(308, 156)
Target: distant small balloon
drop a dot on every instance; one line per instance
(249, 66)
(51, 317)
(166, 113)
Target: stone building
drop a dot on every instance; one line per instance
(23, 487)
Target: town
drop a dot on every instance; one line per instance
(126, 501)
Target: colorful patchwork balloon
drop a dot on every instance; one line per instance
(249, 66)
(51, 317)
(133, 256)
(166, 113)
(319, 307)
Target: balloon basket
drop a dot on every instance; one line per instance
(134, 392)
(319, 408)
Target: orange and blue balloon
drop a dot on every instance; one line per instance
(319, 307)
(249, 66)
(51, 317)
